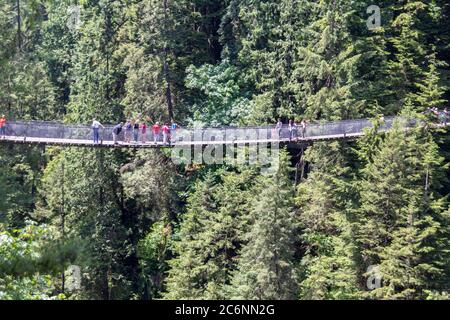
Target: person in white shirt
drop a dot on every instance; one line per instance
(278, 128)
(293, 129)
(96, 130)
(303, 127)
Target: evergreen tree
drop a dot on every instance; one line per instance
(327, 66)
(187, 277)
(55, 48)
(165, 37)
(326, 199)
(209, 236)
(430, 89)
(401, 214)
(410, 43)
(266, 263)
(261, 38)
(153, 252)
(20, 173)
(142, 228)
(88, 195)
(99, 80)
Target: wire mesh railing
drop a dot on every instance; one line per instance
(58, 131)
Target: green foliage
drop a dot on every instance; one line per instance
(148, 181)
(265, 267)
(152, 251)
(209, 235)
(19, 176)
(431, 90)
(221, 99)
(401, 214)
(96, 66)
(82, 187)
(163, 39)
(140, 227)
(30, 262)
(328, 268)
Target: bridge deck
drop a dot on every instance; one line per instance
(121, 144)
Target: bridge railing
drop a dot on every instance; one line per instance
(53, 130)
(269, 132)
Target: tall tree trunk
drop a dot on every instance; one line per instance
(166, 66)
(19, 31)
(109, 36)
(106, 290)
(168, 90)
(63, 221)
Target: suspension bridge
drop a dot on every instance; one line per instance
(59, 134)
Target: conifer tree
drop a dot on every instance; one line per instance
(164, 37)
(327, 64)
(89, 192)
(187, 278)
(152, 230)
(97, 67)
(266, 263)
(262, 38)
(431, 89)
(326, 199)
(412, 64)
(401, 213)
(210, 234)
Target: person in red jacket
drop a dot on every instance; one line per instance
(156, 130)
(143, 132)
(3, 126)
(165, 132)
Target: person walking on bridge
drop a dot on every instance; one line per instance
(443, 116)
(173, 125)
(447, 115)
(303, 127)
(155, 130)
(143, 128)
(128, 131)
(293, 129)
(173, 130)
(116, 131)
(165, 132)
(136, 131)
(96, 130)
(3, 126)
(278, 128)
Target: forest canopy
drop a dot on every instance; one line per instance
(365, 219)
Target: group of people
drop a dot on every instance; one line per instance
(293, 128)
(136, 131)
(443, 116)
(3, 126)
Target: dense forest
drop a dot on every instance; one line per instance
(131, 224)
